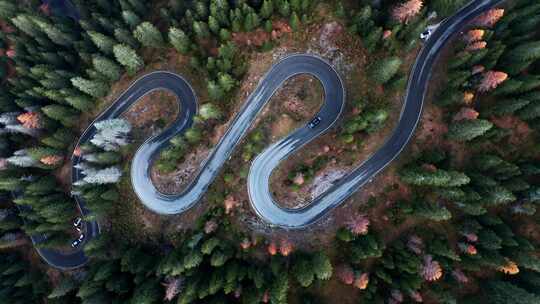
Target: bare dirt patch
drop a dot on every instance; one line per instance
(177, 180)
(152, 113)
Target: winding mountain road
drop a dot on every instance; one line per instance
(258, 180)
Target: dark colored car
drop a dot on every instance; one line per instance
(314, 122)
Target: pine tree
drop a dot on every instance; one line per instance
(124, 36)
(80, 102)
(295, 21)
(93, 88)
(279, 288)
(193, 135)
(467, 130)
(104, 43)
(524, 52)
(148, 35)
(24, 23)
(499, 292)
(10, 183)
(530, 112)
(54, 33)
(251, 22)
(267, 9)
(446, 8)
(67, 116)
(215, 92)
(201, 30)
(322, 266)
(128, 57)
(131, 19)
(383, 70)
(209, 111)
(147, 292)
(7, 9)
(179, 40)
(219, 9)
(226, 82)
(213, 25)
(107, 67)
(432, 211)
(284, 8)
(303, 272)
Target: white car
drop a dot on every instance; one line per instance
(77, 223)
(425, 34)
(78, 241)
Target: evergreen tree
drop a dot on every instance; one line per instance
(201, 30)
(104, 43)
(67, 116)
(128, 57)
(466, 130)
(499, 292)
(215, 92)
(383, 70)
(524, 52)
(295, 21)
(303, 272)
(209, 111)
(148, 35)
(131, 19)
(179, 40)
(322, 266)
(107, 67)
(251, 22)
(93, 88)
(267, 9)
(284, 8)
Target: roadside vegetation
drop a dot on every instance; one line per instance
(454, 221)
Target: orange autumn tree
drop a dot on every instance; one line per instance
(30, 120)
(475, 46)
(361, 282)
(491, 80)
(405, 11)
(431, 270)
(51, 160)
(510, 268)
(489, 18)
(358, 224)
(474, 35)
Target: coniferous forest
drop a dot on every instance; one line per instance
(454, 219)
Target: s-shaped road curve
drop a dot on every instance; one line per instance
(262, 167)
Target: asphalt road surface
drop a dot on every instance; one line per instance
(258, 180)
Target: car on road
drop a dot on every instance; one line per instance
(425, 34)
(314, 122)
(78, 241)
(77, 223)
